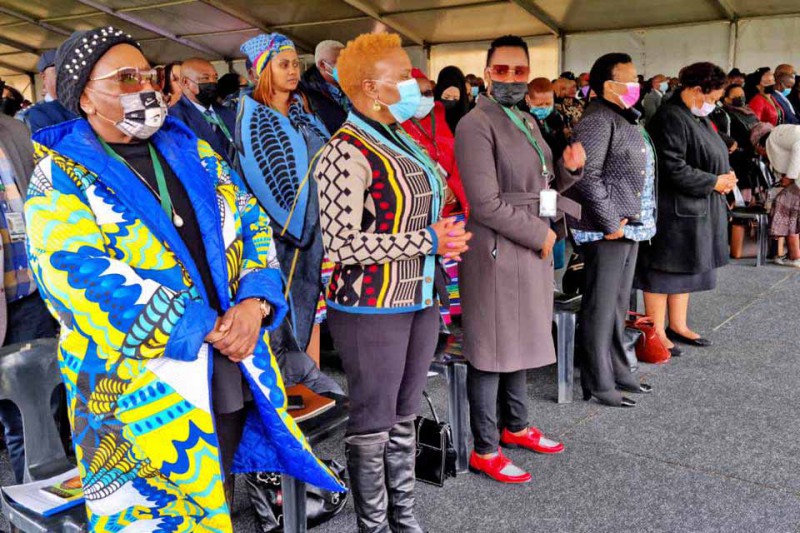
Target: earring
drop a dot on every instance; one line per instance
(376, 106)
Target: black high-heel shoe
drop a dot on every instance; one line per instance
(642, 388)
(609, 399)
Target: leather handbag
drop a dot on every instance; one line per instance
(266, 495)
(574, 275)
(436, 456)
(649, 348)
(631, 338)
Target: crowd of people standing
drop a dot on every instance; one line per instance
(184, 229)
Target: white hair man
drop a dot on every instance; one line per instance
(319, 84)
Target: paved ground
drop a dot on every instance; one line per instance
(715, 449)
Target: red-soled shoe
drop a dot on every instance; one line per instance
(532, 440)
(499, 467)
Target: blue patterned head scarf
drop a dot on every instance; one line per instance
(263, 47)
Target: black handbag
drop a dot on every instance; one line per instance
(266, 495)
(631, 337)
(436, 456)
(572, 282)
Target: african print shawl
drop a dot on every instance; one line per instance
(134, 313)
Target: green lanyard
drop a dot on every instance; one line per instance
(163, 192)
(519, 123)
(404, 140)
(214, 120)
(432, 136)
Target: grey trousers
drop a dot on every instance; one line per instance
(490, 392)
(386, 359)
(609, 267)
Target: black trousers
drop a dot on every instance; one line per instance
(230, 427)
(609, 267)
(386, 359)
(489, 392)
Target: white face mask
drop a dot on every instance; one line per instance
(424, 108)
(705, 110)
(143, 114)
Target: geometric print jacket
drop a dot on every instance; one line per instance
(134, 313)
(378, 199)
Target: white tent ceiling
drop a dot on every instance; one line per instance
(177, 29)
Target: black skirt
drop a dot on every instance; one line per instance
(660, 282)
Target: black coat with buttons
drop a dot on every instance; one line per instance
(692, 229)
(616, 166)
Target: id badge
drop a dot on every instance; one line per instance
(548, 203)
(16, 227)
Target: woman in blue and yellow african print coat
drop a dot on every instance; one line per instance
(134, 315)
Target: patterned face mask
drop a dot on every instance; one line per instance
(143, 114)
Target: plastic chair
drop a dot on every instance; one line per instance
(762, 232)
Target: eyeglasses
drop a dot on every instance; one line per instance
(519, 72)
(131, 79)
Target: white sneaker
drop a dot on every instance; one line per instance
(780, 260)
(795, 263)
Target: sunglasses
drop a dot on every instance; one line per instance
(520, 73)
(132, 79)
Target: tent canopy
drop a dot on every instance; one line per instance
(177, 29)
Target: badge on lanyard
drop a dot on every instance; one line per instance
(16, 227)
(548, 203)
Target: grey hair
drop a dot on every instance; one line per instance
(323, 47)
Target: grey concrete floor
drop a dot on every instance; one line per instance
(716, 448)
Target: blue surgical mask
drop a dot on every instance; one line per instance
(410, 97)
(475, 91)
(541, 112)
(663, 87)
(335, 74)
(424, 108)
(786, 92)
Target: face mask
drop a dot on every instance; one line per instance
(705, 110)
(786, 92)
(509, 94)
(663, 87)
(475, 91)
(335, 74)
(769, 89)
(410, 97)
(738, 101)
(207, 94)
(424, 108)
(541, 112)
(143, 114)
(449, 104)
(10, 106)
(585, 91)
(631, 94)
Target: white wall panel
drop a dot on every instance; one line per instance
(471, 57)
(654, 51)
(768, 43)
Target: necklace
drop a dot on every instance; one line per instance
(163, 192)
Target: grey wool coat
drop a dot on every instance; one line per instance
(506, 288)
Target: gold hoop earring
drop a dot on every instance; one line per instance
(376, 106)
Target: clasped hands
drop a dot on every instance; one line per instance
(726, 182)
(453, 238)
(236, 333)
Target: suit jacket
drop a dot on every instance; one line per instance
(789, 112)
(186, 112)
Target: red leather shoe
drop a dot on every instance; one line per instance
(533, 440)
(500, 468)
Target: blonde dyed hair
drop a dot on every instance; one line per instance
(357, 60)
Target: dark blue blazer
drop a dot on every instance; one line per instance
(789, 114)
(45, 114)
(186, 112)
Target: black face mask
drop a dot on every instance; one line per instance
(509, 94)
(207, 94)
(769, 89)
(449, 104)
(10, 106)
(738, 102)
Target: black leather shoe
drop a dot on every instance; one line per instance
(677, 337)
(642, 388)
(613, 398)
(675, 351)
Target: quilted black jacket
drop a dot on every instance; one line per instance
(616, 162)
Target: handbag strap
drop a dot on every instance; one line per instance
(430, 404)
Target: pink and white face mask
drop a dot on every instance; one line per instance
(631, 94)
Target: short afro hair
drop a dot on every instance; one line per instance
(540, 85)
(603, 70)
(507, 41)
(708, 76)
(357, 60)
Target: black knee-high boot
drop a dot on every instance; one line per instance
(365, 467)
(401, 454)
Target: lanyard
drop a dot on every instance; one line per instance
(214, 120)
(403, 140)
(519, 123)
(432, 135)
(163, 192)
